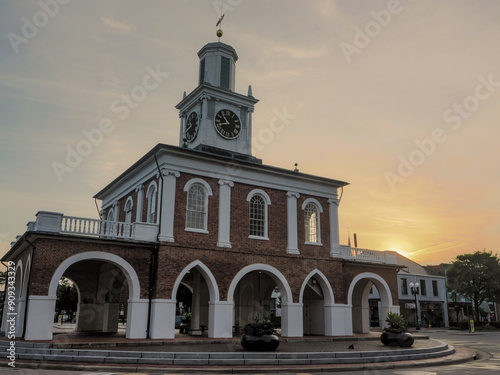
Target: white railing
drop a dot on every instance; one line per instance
(96, 227)
(368, 256)
(58, 223)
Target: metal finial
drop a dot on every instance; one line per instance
(219, 32)
(296, 169)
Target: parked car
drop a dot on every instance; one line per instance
(178, 321)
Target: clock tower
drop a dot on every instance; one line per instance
(214, 118)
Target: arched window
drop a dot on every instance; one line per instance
(110, 228)
(311, 223)
(258, 217)
(151, 196)
(128, 210)
(258, 213)
(197, 206)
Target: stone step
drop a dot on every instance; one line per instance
(42, 352)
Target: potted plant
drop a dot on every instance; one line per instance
(260, 335)
(396, 333)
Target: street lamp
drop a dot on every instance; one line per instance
(414, 289)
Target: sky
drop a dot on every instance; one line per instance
(399, 98)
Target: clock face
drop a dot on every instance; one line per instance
(227, 123)
(192, 126)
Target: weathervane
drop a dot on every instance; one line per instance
(219, 23)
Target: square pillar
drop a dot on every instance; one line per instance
(137, 319)
(220, 315)
(341, 319)
(292, 324)
(168, 205)
(162, 319)
(40, 320)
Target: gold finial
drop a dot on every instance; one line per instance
(219, 23)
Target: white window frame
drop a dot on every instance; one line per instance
(208, 193)
(319, 210)
(128, 214)
(267, 202)
(152, 185)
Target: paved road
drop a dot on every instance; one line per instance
(486, 343)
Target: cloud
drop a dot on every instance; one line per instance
(118, 27)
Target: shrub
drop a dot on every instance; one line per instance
(397, 323)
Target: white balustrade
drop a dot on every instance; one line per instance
(96, 227)
(366, 255)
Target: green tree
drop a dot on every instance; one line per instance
(477, 277)
(67, 297)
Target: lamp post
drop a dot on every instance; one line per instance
(414, 289)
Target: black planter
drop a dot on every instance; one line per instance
(402, 339)
(264, 343)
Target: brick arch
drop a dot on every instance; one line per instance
(358, 295)
(324, 284)
(380, 283)
(128, 271)
(276, 275)
(213, 288)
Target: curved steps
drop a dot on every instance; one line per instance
(42, 352)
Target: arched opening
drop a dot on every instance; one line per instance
(314, 308)
(102, 288)
(256, 297)
(101, 278)
(359, 299)
(316, 296)
(257, 292)
(194, 290)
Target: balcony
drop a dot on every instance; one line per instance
(54, 222)
(367, 256)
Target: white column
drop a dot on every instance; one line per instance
(220, 324)
(293, 247)
(224, 213)
(140, 202)
(137, 319)
(334, 227)
(162, 319)
(168, 205)
(249, 132)
(292, 324)
(196, 306)
(40, 321)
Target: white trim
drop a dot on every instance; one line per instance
(208, 193)
(259, 192)
(148, 192)
(213, 289)
(196, 230)
(267, 202)
(312, 200)
(129, 199)
(376, 279)
(318, 221)
(198, 181)
(128, 270)
(328, 296)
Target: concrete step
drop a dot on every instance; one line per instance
(42, 352)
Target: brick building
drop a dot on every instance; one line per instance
(210, 216)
